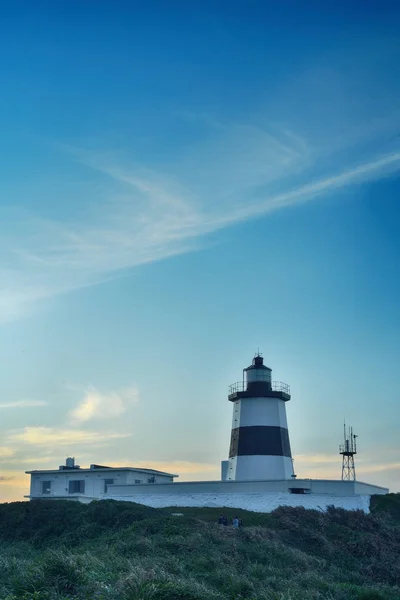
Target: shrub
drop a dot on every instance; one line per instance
(121, 551)
(62, 573)
(177, 590)
(370, 596)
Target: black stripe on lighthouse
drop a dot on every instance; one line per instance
(261, 440)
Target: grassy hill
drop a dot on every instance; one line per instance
(122, 551)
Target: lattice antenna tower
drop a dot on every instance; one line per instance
(348, 450)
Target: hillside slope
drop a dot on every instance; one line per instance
(111, 550)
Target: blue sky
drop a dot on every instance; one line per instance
(180, 184)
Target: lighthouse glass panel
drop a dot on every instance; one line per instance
(258, 375)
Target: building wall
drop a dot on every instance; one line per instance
(94, 481)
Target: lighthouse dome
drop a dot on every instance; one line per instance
(257, 371)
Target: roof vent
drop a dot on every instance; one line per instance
(69, 464)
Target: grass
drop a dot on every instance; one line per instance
(121, 551)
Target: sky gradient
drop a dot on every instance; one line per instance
(181, 184)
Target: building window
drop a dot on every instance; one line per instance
(107, 482)
(151, 479)
(46, 487)
(138, 481)
(76, 486)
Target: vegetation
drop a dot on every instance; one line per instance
(58, 550)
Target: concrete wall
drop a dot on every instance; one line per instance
(224, 469)
(339, 488)
(232, 504)
(366, 488)
(316, 486)
(200, 487)
(258, 496)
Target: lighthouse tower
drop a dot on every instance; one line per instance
(260, 447)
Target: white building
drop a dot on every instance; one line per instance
(74, 483)
(258, 475)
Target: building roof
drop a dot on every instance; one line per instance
(99, 468)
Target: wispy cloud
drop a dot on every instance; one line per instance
(98, 405)
(317, 459)
(13, 486)
(368, 171)
(22, 459)
(23, 404)
(6, 452)
(54, 437)
(329, 466)
(154, 222)
(41, 445)
(188, 470)
(375, 468)
(313, 144)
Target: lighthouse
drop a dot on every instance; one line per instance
(260, 447)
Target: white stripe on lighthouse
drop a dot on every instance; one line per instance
(250, 468)
(249, 412)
